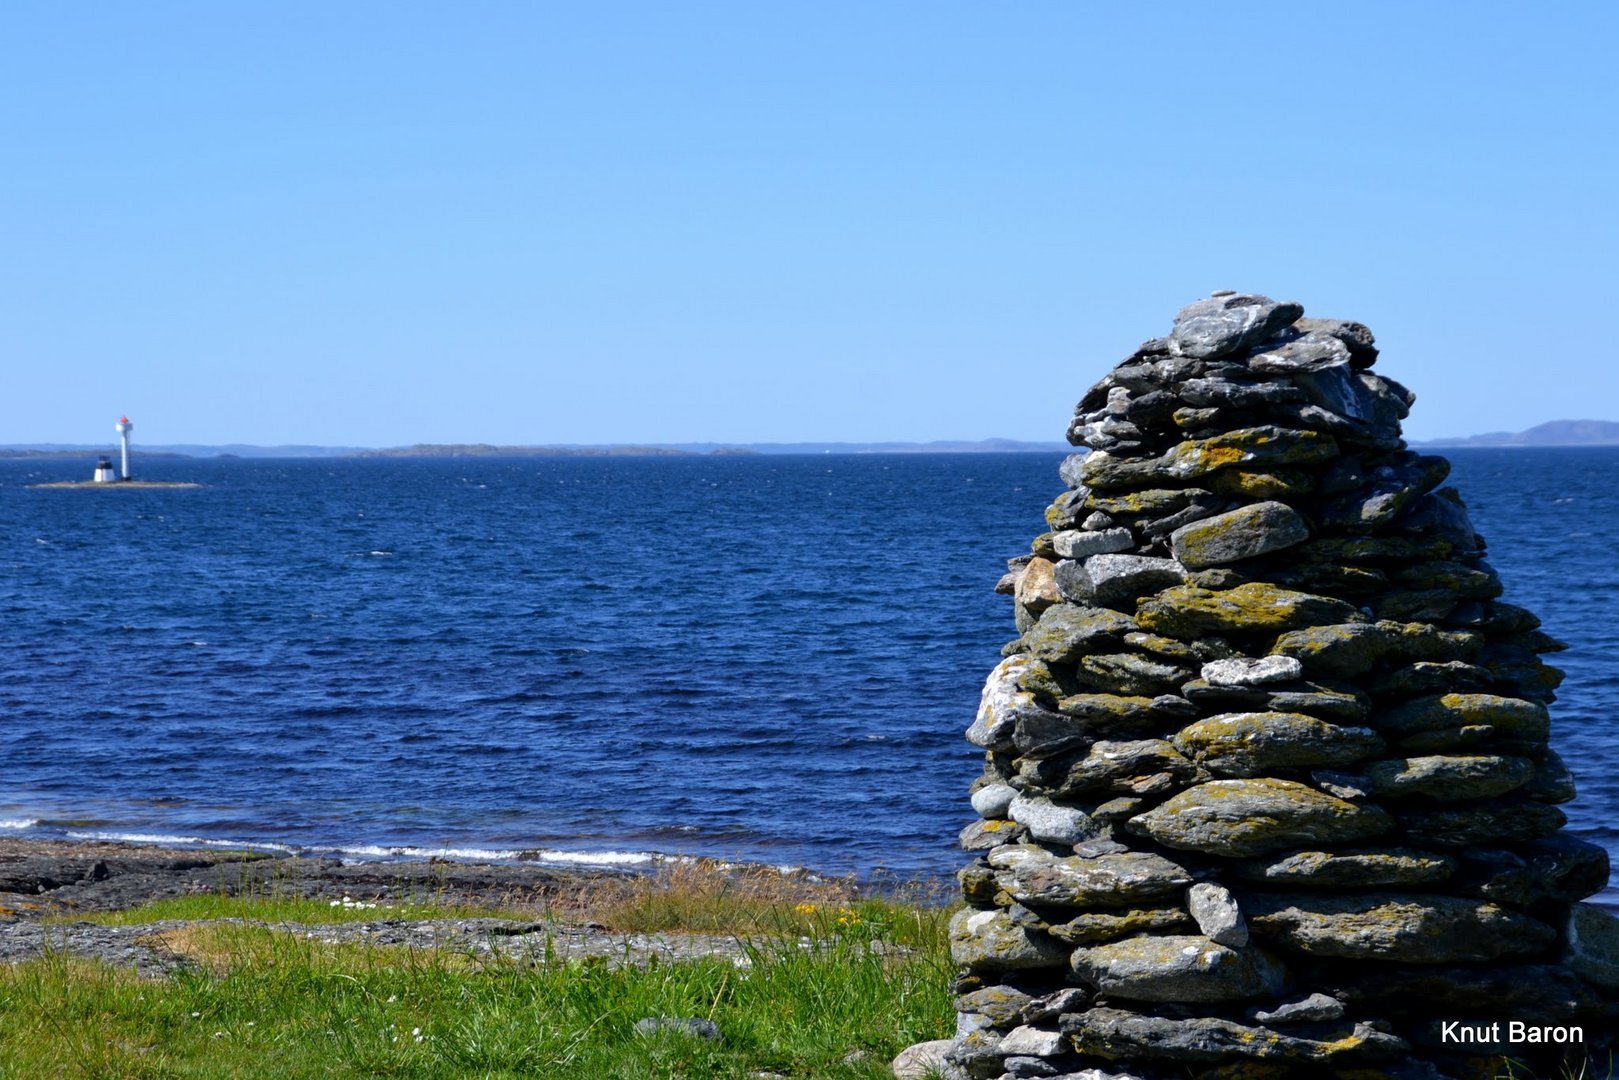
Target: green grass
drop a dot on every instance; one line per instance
(255, 1001)
(278, 909)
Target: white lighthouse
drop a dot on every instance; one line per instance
(123, 428)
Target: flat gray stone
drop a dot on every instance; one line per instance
(1054, 823)
(1189, 612)
(1117, 579)
(1256, 529)
(1130, 673)
(1032, 875)
(1128, 767)
(1030, 1041)
(1081, 544)
(1178, 969)
(1313, 351)
(1353, 868)
(1403, 928)
(1222, 325)
(1237, 818)
(1443, 778)
(1356, 336)
(1257, 743)
(990, 940)
(1217, 914)
(1315, 1009)
(1243, 671)
(1118, 1034)
(1067, 631)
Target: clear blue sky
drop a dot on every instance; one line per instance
(377, 223)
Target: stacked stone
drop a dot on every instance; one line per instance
(1267, 788)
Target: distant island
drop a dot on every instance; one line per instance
(1551, 433)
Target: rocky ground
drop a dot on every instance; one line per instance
(43, 885)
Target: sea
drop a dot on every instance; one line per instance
(599, 661)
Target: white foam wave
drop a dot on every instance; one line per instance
(527, 855)
(172, 840)
(18, 823)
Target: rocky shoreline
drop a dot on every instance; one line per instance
(43, 884)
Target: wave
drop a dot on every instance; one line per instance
(18, 823)
(172, 840)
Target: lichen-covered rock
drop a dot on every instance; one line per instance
(1118, 1035)
(1190, 968)
(1505, 716)
(1441, 778)
(1001, 1005)
(1350, 868)
(1249, 817)
(1256, 529)
(1067, 631)
(1188, 612)
(1335, 651)
(1255, 744)
(1034, 876)
(1130, 673)
(1131, 767)
(1001, 705)
(1405, 928)
(1193, 459)
(988, 833)
(1098, 926)
(990, 941)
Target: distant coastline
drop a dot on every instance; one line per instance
(46, 451)
(1553, 433)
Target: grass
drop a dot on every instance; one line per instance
(258, 1001)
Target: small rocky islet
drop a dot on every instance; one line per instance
(1267, 787)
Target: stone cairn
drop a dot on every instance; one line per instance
(1267, 789)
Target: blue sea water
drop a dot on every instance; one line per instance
(597, 659)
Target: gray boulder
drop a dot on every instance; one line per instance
(1403, 928)
(1256, 529)
(1222, 325)
(1217, 914)
(1178, 969)
(1237, 818)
